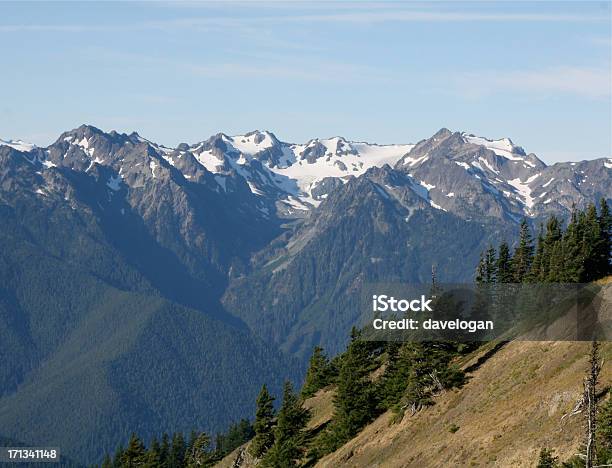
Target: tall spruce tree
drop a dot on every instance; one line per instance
(134, 455)
(481, 270)
(393, 382)
(572, 251)
(554, 234)
(603, 255)
(591, 245)
(490, 265)
(164, 450)
(263, 426)
(536, 273)
(523, 255)
(318, 373)
(289, 434)
(355, 398)
(176, 457)
(504, 264)
(153, 455)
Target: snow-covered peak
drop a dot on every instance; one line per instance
(502, 147)
(19, 145)
(251, 143)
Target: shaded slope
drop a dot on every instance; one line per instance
(90, 339)
(378, 227)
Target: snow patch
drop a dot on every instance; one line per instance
(488, 165)
(19, 145)
(153, 165)
(524, 190)
(503, 147)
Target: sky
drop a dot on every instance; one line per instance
(538, 73)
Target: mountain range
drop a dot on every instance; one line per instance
(151, 288)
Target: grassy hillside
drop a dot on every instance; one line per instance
(510, 408)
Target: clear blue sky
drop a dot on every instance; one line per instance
(539, 73)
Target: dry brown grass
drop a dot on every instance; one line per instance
(510, 408)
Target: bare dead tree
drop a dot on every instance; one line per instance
(590, 386)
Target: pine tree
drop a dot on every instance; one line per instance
(556, 270)
(552, 238)
(523, 255)
(289, 433)
(536, 274)
(490, 265)
(547, 459)
(393, 382)
(134, 454)
(164, 450)
(197, 454)
(355, 399)
(176, 457)
(264, 418)
(153, 455)
(481, 270)
(573, 259)
(591, 245)
(604, 267)
(504, 264)
(317, 376)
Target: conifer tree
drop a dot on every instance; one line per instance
(536, 274)
(263, 426)
(393, 382)
(490, 265)
(134, 455)
(591, 245)
(604, 267)
(176, 457)
(198, 455)
(317, 375)
(153, 455)
(553, 236)
(504, 264)
(547, 459)
(556, 270)
(481, 270)
(164, 450)
(523, 255)
(117, 457)
(572, 251)
(354, 402)
(289, 432)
